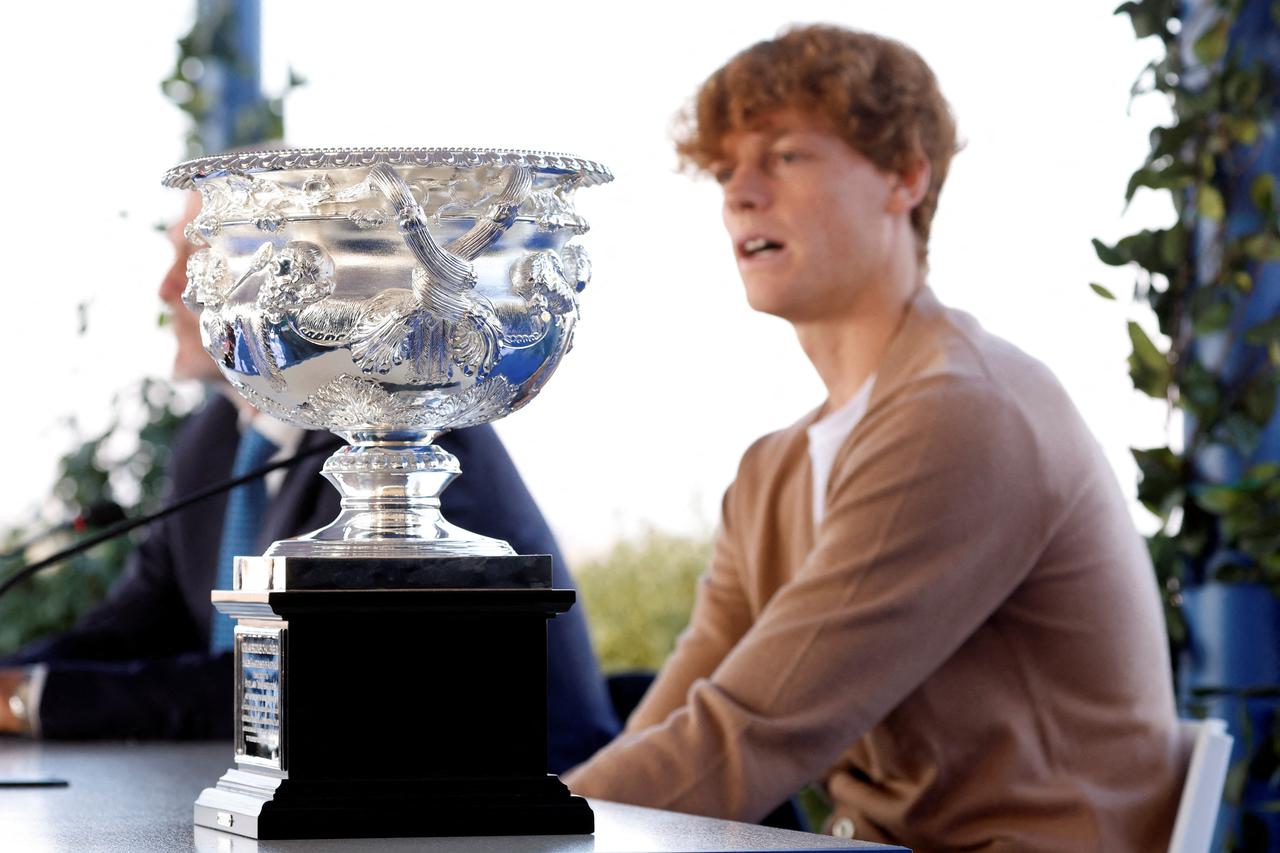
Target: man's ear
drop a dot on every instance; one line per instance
(910, 186)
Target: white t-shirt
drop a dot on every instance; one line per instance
(826, 436)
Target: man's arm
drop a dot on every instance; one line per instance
(721, 615)
(920, 544)
(143, 616)
(127, 668)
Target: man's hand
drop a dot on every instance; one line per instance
(9, 681)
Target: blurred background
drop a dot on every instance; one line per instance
(629, 449)
(672, 376)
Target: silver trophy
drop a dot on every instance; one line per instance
(389, 295)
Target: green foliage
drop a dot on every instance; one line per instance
(1193, 160)
(639, 597)
(211, 44)
(1221, 531)
(124, 463)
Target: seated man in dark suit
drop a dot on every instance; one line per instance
(150, 661)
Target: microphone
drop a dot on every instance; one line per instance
(123, 526)
(99, 514)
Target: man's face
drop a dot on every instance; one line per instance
(812, 221)
(190, 361)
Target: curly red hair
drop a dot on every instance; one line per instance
(877, 93)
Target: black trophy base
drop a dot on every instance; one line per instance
(392, 712)
(247, 804)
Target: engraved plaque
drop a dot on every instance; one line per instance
(260, 695)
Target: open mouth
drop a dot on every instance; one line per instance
(757, 247)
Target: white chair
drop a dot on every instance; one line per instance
(1202, 790)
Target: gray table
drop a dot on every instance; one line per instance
(138, 797)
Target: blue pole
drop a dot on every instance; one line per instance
(1234, 629)
(232, 83)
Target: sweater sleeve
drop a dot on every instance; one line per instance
(933, 520)
(721, 616)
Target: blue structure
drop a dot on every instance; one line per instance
(1231, 668)
(232, 78)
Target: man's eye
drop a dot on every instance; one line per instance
(723, 174)
(788, 156)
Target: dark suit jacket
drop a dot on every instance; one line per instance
(138, 664)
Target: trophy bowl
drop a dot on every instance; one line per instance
(387, 295)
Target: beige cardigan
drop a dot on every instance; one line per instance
(969, 651)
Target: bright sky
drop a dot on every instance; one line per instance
(672, 376)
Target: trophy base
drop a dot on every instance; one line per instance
(249, 804)
(393, 712)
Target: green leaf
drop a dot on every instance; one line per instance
(1109, 255)
(1239, 432)
(1172, 176)
(1198, 387)
(1173, 246)
(1210, 204)
(1259, 398)
(1146, 20)
(1261, 247)
(1263, 471)
(1212, 318)
(1160, 488)
(1263, 192)
(1219, 500)
(1102, 291)
(1148, 366)
(1243, 130)
(1208, 165)
(1264, 333)
(1212, 44)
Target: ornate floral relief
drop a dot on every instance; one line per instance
(577, 266)
(538, 278)
(207, 280)
(265, 404)
(380, 337)
(367, 218)
(317, 189)
(479, 404)
(348, 402)
(475, 342)
(270, 221)
(219, 334)
(329, 323)
(298, 275)
(552, 209)
(393, 330)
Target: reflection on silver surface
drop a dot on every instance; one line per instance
(387, 295)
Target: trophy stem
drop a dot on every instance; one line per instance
(390, 507)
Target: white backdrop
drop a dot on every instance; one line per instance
(672, 375)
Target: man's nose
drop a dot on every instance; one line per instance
(746, 189)
(174, 282)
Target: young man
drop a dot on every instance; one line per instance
(927, 593)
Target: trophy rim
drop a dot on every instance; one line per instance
(185, 175)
